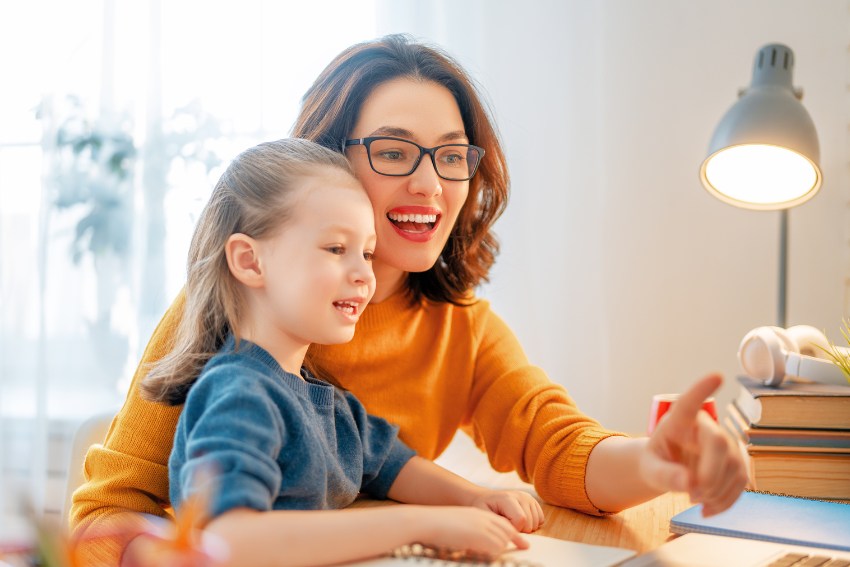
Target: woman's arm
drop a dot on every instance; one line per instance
(688, 452)
(326, 537)
(527, 423)
(531, 425)
(129, 471)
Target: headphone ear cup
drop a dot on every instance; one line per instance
(789, 342)
(810, 340)
(762, 355)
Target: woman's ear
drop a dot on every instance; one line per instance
(243, 260)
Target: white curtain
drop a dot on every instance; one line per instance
(620, 274)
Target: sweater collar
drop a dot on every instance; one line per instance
(383, 314)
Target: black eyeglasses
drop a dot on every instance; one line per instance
(398, 157)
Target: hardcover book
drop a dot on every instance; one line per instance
(794, 404)
(809, 475)
(800, 440)
(805, 471)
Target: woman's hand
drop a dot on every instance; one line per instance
(468, 529)
(520, 508)
(689, 452)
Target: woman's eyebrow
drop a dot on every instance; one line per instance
(392, 131)
(454, 136)
(397, 132)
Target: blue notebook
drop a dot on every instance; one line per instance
(770, 517)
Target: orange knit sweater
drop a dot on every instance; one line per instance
(429, 367)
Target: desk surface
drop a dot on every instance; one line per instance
(641, 528)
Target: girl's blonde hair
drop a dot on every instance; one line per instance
(252, 197)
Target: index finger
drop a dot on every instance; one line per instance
(688, 404)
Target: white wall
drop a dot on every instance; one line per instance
(619, 273)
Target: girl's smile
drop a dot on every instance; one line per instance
(350, 308)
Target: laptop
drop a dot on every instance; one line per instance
(703, 550)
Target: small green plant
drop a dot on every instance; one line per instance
(92, 167)
(841, 355)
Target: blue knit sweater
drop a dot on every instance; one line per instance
(276, 441)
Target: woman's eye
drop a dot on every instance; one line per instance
(391, 155)
(453, 159)
(338, 250)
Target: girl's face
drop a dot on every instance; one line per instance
(414, 215)
(317, 270)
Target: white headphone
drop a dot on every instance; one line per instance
(770, 354)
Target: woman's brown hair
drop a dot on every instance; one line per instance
(252, 197)
(332, 105)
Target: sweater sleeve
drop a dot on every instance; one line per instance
(129, 471)
(384, 454)
(232, 432)
(527, 423)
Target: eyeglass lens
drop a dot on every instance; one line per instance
(397, 157)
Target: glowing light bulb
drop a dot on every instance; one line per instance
(761, 176)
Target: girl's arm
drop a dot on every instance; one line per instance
(326, 537)
(421, 481)
(466, 521)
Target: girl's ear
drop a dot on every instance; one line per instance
(243, 260)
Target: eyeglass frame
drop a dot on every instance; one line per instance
(367, 142)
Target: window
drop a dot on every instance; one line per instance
(121, 117)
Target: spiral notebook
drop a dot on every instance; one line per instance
(773, 517)
(543, 552)
(759, 529)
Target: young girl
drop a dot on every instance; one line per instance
(428, 355)
(281, 258)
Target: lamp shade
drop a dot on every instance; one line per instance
(764, 154)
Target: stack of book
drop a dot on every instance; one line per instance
(797, 437)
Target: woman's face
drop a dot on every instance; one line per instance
(425, 113)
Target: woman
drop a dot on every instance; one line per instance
(428, 355)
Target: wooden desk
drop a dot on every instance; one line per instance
(641, 528)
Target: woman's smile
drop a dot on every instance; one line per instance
(414, 222)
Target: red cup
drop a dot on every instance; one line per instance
(661, 404)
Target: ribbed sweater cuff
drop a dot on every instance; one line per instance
(572, 479)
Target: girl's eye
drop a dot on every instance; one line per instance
(336, 249)
(368, 256)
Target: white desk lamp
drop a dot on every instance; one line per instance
(764, 153)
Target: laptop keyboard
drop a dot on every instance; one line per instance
(803, 560)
